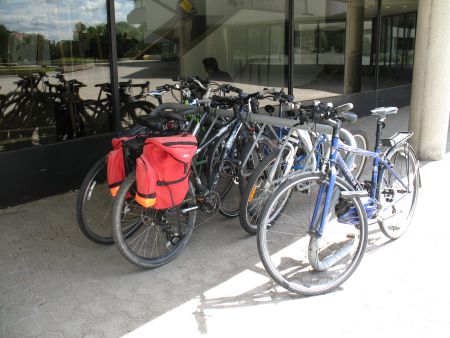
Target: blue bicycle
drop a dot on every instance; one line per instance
(299, 150)
(318, 239)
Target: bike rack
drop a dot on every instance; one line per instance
(270, 121)
(344, 134)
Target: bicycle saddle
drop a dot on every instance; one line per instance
(151, 122)
(383, 111)
(172, 115)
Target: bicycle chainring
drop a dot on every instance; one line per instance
(211, 202)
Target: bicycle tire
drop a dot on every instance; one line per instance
(228, 184)
(291, 253)
(97, 231)
(392, 226)
(254, 199)
(132, 238)
(259, 152)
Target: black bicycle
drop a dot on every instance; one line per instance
(150, 238)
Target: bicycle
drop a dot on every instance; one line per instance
(94, 221)
(150, 238)
(299, 150)
(314, 249)
(94, 200)
(131, 106)
(28, 111)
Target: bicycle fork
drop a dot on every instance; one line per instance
(325, 197)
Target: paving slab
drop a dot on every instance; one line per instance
(56, 283)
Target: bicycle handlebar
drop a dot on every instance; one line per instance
(177, 107)
(189, 79)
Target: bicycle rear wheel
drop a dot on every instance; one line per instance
(147, 237)
(94, 205)
(397, 203)
(292, 252)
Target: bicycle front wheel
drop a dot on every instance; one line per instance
(228, 181)
(259, 189)
(147, 237)
(397, 203)
(293, 252)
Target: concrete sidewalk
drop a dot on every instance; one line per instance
(55, 283)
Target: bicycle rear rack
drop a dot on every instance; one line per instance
(397, 138)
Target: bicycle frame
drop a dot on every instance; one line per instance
(336, 162)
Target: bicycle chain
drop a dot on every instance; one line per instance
(213, 214)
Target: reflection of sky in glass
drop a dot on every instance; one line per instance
(55, 19)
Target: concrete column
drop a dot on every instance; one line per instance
(353, 46)
(430, 97)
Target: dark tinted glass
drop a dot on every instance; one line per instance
(333, 47)
(52, 54)
(243, 42)
(398, 33)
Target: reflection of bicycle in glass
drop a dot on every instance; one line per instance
(27, 110)
(47, 111)
(84, 117)
(313, 230)
(132, 105)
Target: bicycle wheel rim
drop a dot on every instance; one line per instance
(149, 238)
(394, 218)
(258, 192)
(287, 249)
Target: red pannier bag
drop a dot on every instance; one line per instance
(115, 165)
(162, 171)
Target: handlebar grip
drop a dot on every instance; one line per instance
(344, 107)
(181, 79)
(235, 89)
(204, 101)
(223, 99)
(265, 91)
(160, 88)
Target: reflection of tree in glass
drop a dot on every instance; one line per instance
(4, 33)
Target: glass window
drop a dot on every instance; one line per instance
(398, 32)
(333, 47)
(242, 42)
(52, 54)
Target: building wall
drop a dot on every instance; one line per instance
(52, 135)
